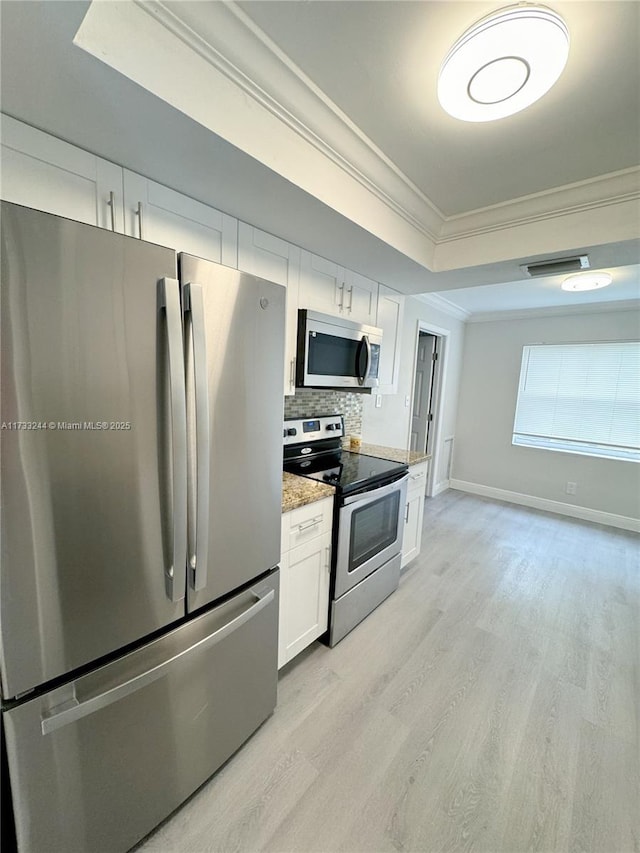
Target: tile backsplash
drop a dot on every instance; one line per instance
(309, 402)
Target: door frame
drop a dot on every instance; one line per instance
(437, 394)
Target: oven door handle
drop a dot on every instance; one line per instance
(374, 494)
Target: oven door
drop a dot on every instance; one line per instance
(336, 353)
(370, 529)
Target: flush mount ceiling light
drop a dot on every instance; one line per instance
(587, 281)
(503, 63)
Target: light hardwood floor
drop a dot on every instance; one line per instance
(490, 704)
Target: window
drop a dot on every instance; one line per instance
(580, 398)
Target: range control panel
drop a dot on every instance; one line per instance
(297, 430)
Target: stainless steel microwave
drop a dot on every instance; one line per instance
(336, 353)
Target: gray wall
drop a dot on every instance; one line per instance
(484, 454)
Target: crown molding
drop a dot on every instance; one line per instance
(602, 191)
(211, 62)
(555, 311)
(232, 44)
(444, 305)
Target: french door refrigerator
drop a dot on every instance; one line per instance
(141, 482)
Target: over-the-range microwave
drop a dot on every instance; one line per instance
(336, 353)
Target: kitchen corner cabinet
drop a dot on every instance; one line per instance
(48, 174)
(305, 567)
(331, 289)
(276, 260)
(389, 319)
(414, 513)
(161, 215)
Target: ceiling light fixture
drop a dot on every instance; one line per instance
(587, 281)
(503, 63)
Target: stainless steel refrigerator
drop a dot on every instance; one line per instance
(141, 482)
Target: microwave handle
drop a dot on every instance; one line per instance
(364, 344)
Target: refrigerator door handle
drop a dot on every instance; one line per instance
(198, 550)
(169, 300)
(92, 704)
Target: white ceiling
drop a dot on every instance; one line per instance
(378, 60)
(377, 63)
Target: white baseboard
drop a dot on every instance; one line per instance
(582, 512)
(440, 487)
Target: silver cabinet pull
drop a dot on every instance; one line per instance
(112, 205)
(139, 215)
(406, 515)
(169, 302)
(198, 550)
(328, 557)
(341, 303)
(293, 373)
(307, 525)
(350, 300)
(137, 682)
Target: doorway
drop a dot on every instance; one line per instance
(422, 410)
(427, 396)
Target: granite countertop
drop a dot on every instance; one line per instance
(299, 491)
(394, 454)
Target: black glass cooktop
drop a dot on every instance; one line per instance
(347, 471)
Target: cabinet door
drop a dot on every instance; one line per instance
(389, 319)
(304, 596)
(270, 257)
(412, 528)
(158, 214)
(360, 298)
(321, 284)
(47, 174)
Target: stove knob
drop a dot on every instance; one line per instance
(292, 431)
(337, 426)
(331, 427)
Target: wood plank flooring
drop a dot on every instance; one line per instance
(491, 704)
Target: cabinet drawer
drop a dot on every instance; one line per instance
(417, 478)
(305, 523)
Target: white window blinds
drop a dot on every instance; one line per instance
(580, 398)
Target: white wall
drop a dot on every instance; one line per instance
(484, 455)
(390, 424)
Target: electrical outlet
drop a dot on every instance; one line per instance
(570, 488)
(378, 401)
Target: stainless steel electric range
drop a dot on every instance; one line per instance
(368, 516)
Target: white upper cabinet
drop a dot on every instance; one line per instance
(160, 215)
(332, 289)
(360, 301)
(48, 174)
(389, 319)
(321, 284)
(270, 257)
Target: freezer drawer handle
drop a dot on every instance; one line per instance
(199, 537)
(103, 700)
(169, 300)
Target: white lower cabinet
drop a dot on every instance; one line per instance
(414, 513)
(304, 577)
